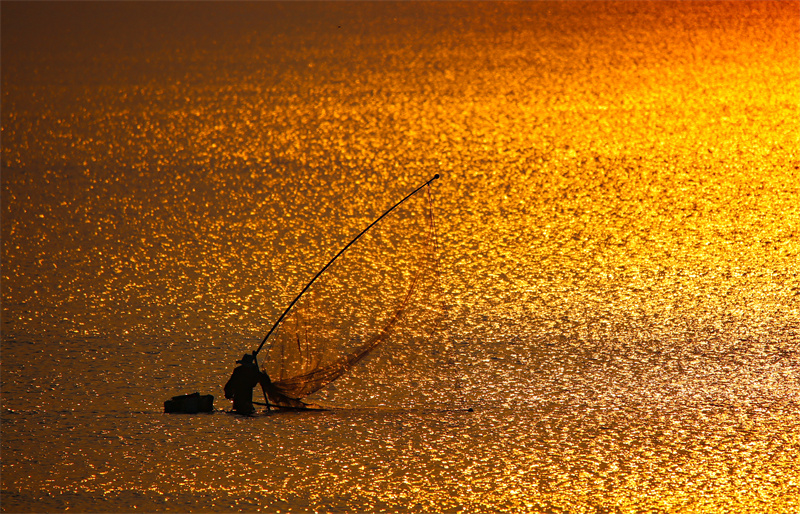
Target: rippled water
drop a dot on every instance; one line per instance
(618, 216)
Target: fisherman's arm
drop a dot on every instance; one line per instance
(264, 380)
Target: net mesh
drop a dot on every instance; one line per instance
(387, 280)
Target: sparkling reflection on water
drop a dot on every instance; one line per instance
(552, 457)
(619, 225)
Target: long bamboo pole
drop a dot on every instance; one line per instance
(271, 330)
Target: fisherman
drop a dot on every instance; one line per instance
(240, 386)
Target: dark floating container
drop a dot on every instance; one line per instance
(189, 404)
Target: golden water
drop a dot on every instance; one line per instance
(618, 214)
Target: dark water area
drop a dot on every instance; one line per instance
(618, 222)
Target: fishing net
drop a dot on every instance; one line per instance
(384, 286)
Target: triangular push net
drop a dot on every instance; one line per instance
(383, 286)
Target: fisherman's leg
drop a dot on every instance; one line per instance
(243, 405)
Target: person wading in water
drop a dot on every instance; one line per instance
(240, 386)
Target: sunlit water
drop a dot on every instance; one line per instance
(618, 218)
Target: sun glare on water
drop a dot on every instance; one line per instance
(617, 223)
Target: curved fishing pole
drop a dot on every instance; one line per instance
(255, 353)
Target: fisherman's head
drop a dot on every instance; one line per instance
(246, 359)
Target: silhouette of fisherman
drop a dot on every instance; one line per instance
(240, 386)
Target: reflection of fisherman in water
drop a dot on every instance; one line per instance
(240, 386)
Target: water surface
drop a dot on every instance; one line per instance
(619, 230)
